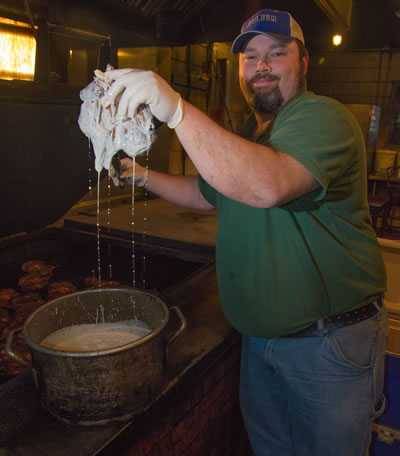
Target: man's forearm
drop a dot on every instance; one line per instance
(179, 190)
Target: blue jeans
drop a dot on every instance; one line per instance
(315, 395)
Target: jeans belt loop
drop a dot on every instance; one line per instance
(320, 324)
(378, 303)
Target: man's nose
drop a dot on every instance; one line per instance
(263, 64)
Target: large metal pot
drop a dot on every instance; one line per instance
(98, 387)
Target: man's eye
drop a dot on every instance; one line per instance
(278, 53)
(250, 57)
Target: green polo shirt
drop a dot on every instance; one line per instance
(282, 268)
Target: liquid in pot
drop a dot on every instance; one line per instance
(96, 337)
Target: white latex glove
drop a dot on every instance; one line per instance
(138, 87)
(141, 173)
(134, 135)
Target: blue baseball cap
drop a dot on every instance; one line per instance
(267, 22)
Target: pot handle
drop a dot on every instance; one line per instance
(181, 328)
(8, 347)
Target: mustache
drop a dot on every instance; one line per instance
(266, 76)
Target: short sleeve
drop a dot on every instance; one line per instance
(320, 134)
(209, 193)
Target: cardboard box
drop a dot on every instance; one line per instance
(385, 158)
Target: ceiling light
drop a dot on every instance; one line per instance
(337, 40)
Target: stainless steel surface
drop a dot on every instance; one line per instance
(156, 218)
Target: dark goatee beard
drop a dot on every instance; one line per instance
(272, 101)
(267, 103)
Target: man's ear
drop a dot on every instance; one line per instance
(306, 63)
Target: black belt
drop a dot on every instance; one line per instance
(344, 319)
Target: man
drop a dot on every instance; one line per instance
(299, 268)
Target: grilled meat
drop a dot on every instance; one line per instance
(7, 295)
(57, 289)
(38, 267)
(93, 282)
(33, 282)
